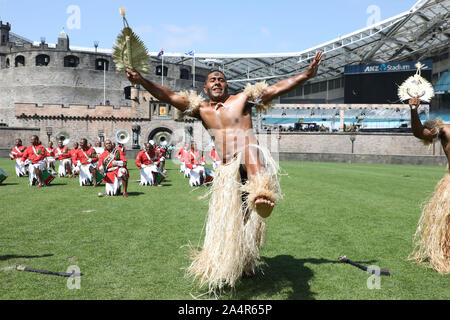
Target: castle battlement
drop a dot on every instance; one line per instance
(74, 112)
(6, 26)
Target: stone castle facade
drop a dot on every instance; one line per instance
(54, 89)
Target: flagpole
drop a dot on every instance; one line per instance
(193, 78)
(104, 83)
(162, 73)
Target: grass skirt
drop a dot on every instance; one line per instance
(234, 232)
(432, 238)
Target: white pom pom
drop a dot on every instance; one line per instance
(416, 86)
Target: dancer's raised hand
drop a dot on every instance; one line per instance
(314, 67)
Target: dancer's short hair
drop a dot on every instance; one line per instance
(216, 70)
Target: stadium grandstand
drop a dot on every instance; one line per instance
(356, 88)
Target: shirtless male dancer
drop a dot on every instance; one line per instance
(233, 235)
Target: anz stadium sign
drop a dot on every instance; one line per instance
(387, 67)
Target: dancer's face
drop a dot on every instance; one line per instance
(216, 87)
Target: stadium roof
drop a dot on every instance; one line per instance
(416, 34)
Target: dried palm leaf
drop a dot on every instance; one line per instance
(129, 51)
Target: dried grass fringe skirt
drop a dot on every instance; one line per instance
(234, 231)
(432, 238)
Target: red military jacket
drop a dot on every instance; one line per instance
(142, 158)
(62, 153)
(50, 152)
(17, 152)
(180, 153)
(34, 154)
(213, 155)
(192, 158)
(111, 169)
(85, 156)
(122, 149)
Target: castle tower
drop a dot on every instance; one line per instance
(63, 41)
(4, 33)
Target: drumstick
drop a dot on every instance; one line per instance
(383, 272)
(61, 274)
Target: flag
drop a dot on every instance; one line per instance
(190, 53)
(161, 53)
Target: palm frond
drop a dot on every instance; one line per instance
(130, 52)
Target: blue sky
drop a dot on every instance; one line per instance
(232, 26)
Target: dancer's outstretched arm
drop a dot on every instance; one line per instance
(163, 94)
(286, 85)
(419, 130)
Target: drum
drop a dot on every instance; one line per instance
(100, 176)
(209, 176)
(47, 177)
(160, 178)
(3, 175)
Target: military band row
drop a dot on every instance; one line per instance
(108, 164)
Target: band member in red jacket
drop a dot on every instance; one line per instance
(34, 155)
(16, 154)
(180, 156)
(162, 154)
(214, 157)
(147, 160)
(63, 154)
(75, 169)
(196, 164)
(114, 164)
(85, 157)
(50, 160)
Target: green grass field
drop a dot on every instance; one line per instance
(135, 248)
